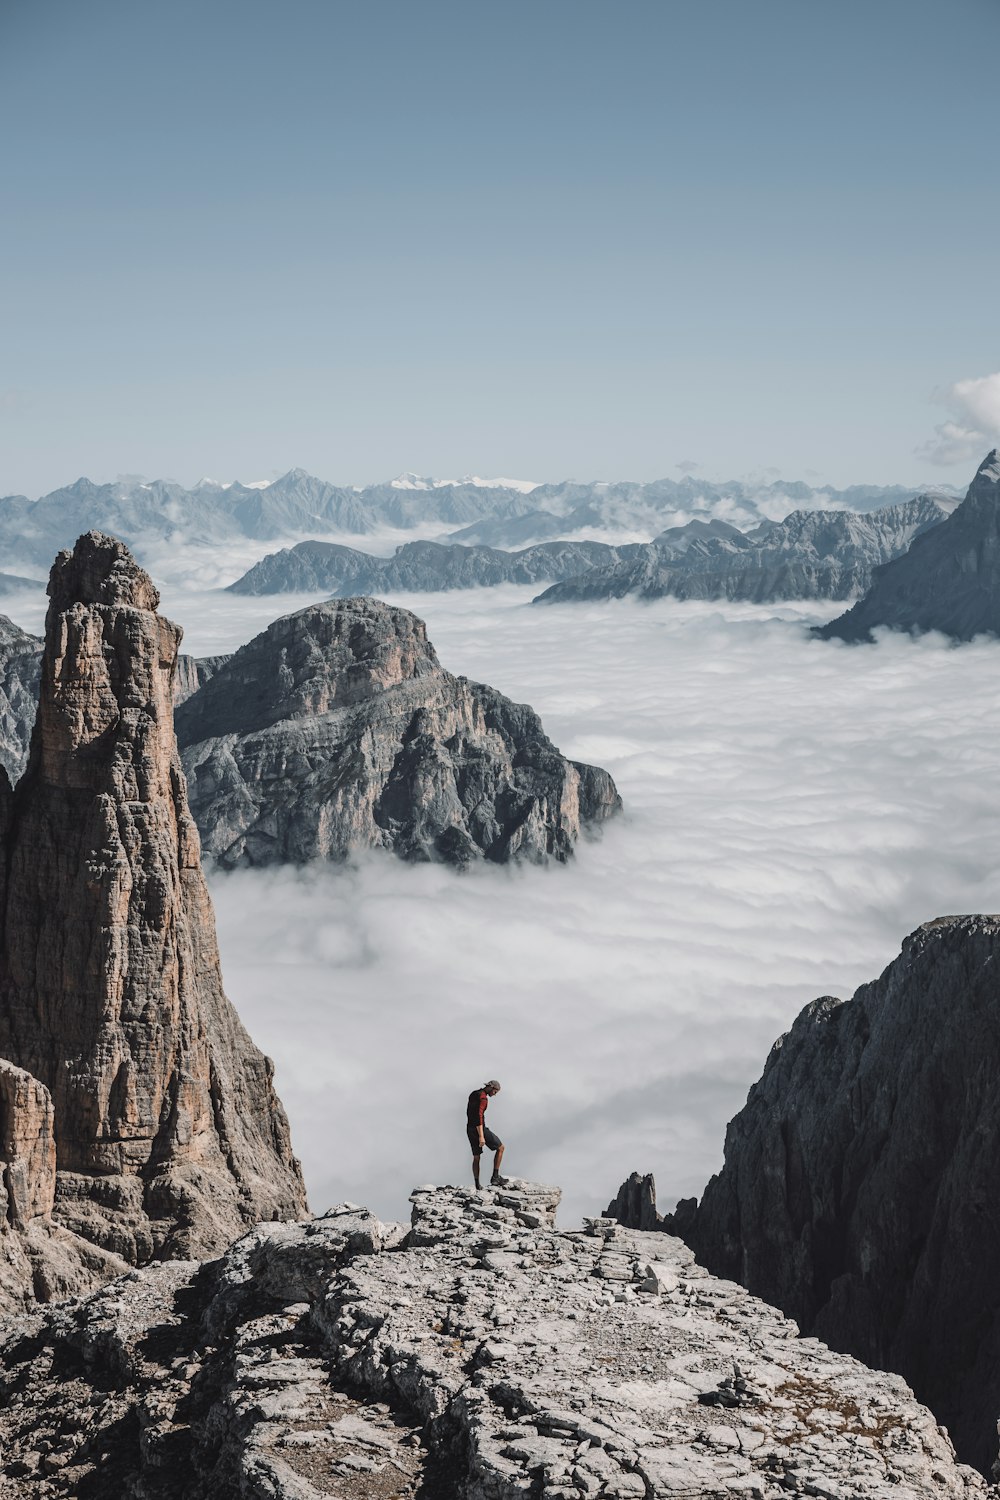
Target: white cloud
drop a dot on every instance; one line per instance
(974, 425)
(794, 808)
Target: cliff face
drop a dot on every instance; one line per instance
(337, 729)
(861, 1187)
(950, 578)
(479, 1354)
(169, 1138)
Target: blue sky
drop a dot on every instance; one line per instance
(545, 240)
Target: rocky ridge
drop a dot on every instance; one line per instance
(168, 1138)
(808, 555)
(420, 567)
(860, 1188)
(337, 729)
(949, 580)
(480, 1354)
(152, 515)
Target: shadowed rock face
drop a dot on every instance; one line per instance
(861, 1186)
(169, 1137)
(950, 578)
(634, 1206)
(337, 729)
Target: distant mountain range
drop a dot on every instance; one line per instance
(809, 555)
(496, 513)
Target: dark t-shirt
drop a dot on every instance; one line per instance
(478, 1101)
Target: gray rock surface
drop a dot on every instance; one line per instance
(483, 1355)
(861, 1187)
(337, 729)
(169, 1137)
(950, 578)
(808, 555)
(420, 567)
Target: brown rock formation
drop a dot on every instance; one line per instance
(169, 1138)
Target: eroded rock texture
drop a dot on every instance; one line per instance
(337, 729)
(481, 1355)
(169, 1138)
(949, 580)
(861, 1185)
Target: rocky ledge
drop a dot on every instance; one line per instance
(337, 729)
(479, 1354)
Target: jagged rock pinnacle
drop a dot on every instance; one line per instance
(169, 1137)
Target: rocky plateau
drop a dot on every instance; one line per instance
(337, 729)
(479, 1353)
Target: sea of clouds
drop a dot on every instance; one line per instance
(793, 808)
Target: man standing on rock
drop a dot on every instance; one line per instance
(481, 1135)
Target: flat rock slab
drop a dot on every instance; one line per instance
(344, 1357)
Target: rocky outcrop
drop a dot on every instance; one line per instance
(419, 567)
(38, 1258)
(808, 555)
(169, 1138)
(949, 580)
(192, 673)
(860, 1185)
(634, 1207)
(337, 729)
(479, 1355)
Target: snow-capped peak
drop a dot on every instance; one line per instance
(419, 482)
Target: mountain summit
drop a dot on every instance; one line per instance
(949, 580)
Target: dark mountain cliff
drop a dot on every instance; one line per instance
(861, 1186)
(949, 580)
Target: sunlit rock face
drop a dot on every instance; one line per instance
(949, 580)
(337, 730)
(860, 1185)
(169, 1138)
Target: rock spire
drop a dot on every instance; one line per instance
(169, 1138)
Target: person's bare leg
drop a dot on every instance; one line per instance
(475, 1168)
(496, 1162)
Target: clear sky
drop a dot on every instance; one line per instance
(547, 239)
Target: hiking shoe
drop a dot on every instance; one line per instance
(496, 1181)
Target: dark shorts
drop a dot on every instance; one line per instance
(493, 1142)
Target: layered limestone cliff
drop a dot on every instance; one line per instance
(949, 580)
(169, 1139)
(337, 729)
(861, 1187)
(480, 1354)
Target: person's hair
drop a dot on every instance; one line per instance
(491, 1083)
